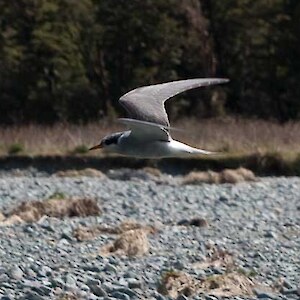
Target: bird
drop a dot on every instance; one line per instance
(148, 134)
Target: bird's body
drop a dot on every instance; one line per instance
(128, 145)
(148, 135)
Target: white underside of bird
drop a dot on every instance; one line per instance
(129, 145)
(148, 135)
(157, 149)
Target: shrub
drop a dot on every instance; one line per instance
(80, 149)
(15, 148)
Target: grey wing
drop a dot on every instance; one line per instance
(147, 103)
(146, 131)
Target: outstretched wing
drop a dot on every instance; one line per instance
(147, 103)
(146, 131)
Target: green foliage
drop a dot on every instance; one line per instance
(71, 60)
(146, 42)
(57, 195)
(80, 149)
(15, 149)
(258, 46)
(250, 273)
(41, 60)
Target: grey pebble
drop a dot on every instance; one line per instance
(110, 268)
(223, 199)
(44, 290)
(6, 297)
(57, 282)
(62, 243)
(182, 297)
(286, 291)
(209, 297)
(263, 294)
(159, 297)
(92, 282)
(271, 234)
(70, 280)
(287, 284)
(119, 295)
(110, 286)
(32, 296)
(3, 278)
(16, 273)
(44, 271)
(98, 291)
(46, 225)
(134, 283)
(67, 235)
(127, 291)
(91, 268)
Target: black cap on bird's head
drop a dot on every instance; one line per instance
(108, 140)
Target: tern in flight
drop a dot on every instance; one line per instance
(148, 135)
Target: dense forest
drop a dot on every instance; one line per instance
(69, 60)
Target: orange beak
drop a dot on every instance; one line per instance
(96, 147)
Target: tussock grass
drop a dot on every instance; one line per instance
(33, 211)
(225, 176)
(228, 285)
(88, 172)
(131, 240)
(131, 243)
(231, 284)
(176, 283)
(153, 171)
(83, 233)
(230, 135)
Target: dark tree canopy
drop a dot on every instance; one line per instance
(67, 60)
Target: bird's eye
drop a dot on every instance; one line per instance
(111, 140)
(106, 142)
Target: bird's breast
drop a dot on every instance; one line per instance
(152, 149)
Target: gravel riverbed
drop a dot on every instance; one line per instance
(256, 224)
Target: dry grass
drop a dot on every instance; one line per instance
(241, 135)
(225, 176)
(68, 296)
(57, 139)
(233, 282)
(88, 172)
(176, 283)
(83, 233)
(217, 258)
(225, 135)
(59, 208)
(131, 238)
(228, 285)
(131, 243)
(236, 176)
(152, 171)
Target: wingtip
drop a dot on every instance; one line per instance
(223, 80)
(213, 80)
